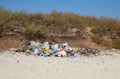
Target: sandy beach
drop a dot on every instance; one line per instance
(19, 66)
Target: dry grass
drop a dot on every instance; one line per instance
(40, 26)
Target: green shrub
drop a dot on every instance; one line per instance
(117, 44)
(55, 39)
(96, 38)
(36, 32)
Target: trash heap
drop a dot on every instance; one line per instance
(47, 49)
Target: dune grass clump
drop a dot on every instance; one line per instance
(117, 44)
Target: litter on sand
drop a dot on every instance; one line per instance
(47, 49)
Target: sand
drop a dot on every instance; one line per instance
(19, 66)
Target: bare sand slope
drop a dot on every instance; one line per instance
(30, 67)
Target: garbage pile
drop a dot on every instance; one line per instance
(47, 49)
(89, 51)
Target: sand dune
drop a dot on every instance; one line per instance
(18, 66)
